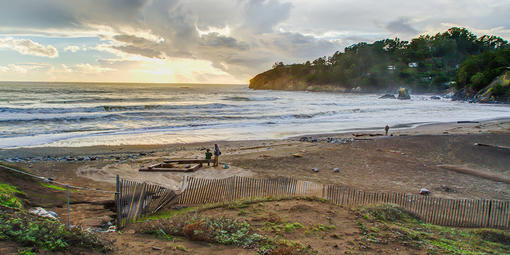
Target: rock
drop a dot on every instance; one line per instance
(447, 189)
(297, 155)
(336, 170)
(92, 158)
(387, 96)
(435, 97)
(424, 191)
(303, 139)
(403, 94)
(188, 166)
(225, 166)
(156, 248)
(315, 169)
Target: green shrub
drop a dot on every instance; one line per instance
(32, 231)
(8, 196)
(386, 212)
(499, 90)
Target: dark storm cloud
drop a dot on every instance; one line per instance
(401, 26)
(217, 40)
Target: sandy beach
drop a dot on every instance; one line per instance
(406, 161)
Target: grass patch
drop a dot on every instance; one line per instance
(385, 224)
(47, 185)
(8, 196)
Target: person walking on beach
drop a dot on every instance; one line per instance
(217, 154)
(208, 156)
(386, 129)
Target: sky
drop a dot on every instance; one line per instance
(220, 41)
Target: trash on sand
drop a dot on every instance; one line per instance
(43, 213)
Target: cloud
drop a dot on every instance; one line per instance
(72, 48)
(29, 47)
(90, 69)
(216, 40)
(401, 26)
(11, 68)
(238, 38)
(263, 15)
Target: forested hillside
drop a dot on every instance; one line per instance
(424, 64)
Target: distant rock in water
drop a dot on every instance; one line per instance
(388, 96)
(435, 97)
(403, 94)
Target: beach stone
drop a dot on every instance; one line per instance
(403, 94)
(387, 96)
(336, 170)
(297, 155)
(424, 191)
(303, 139)
(315, 169)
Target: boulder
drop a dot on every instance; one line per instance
(435, 97)
(387, 96)
(403, 94)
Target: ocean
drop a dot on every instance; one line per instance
(85, 114)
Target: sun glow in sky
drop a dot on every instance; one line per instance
(209, 41)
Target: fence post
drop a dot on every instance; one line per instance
(68, 210)
(117, 201)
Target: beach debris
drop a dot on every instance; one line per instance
(105, 228)
(424, 191)
(491, 145)
(43, 213)
(225, 166)
(297, 155)
(447, 189)
(388, 96)
(336, 170)
(331, 140)
(315, 169)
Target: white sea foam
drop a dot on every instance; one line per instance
(45, 114)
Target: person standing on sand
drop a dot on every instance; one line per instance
(208, 156)
(386, 129)
(217, 154)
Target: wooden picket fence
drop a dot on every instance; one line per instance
(440, 211)
(134, 200)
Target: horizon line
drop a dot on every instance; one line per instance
(120, 82)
